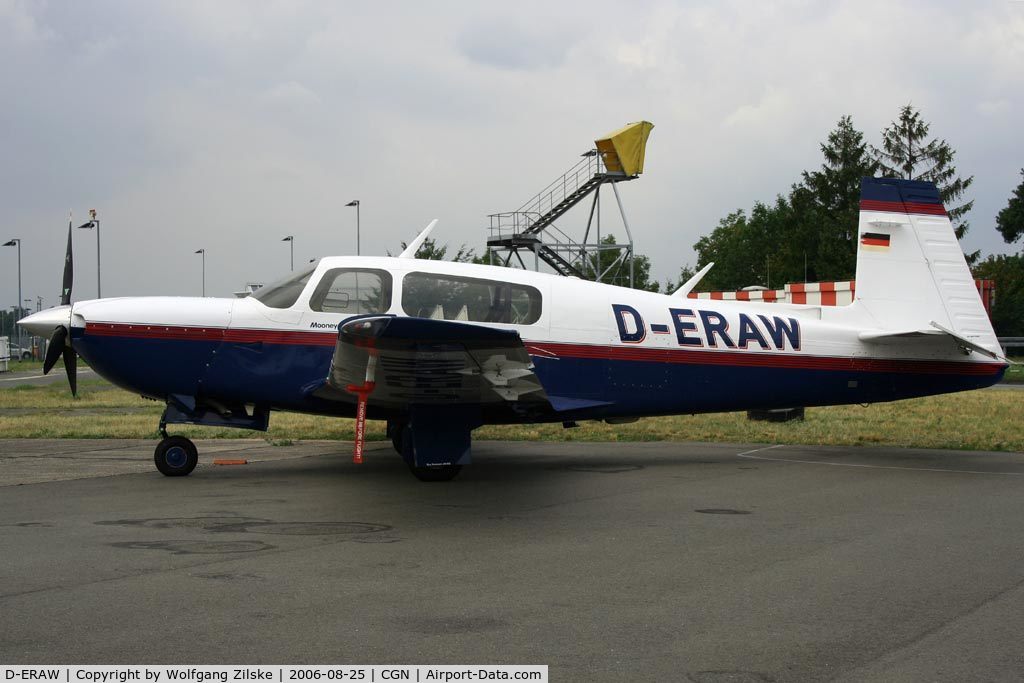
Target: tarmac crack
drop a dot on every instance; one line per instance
(891, 653)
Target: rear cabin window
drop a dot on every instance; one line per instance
(353, 291)
(448, 297)
(284, 293)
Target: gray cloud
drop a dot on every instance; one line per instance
(505, 44)
(228, 125)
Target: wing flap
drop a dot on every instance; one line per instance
(430, 362)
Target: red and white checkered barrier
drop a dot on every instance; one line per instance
(768, 295)
(821, 294)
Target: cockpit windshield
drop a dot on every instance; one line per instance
(284, 293)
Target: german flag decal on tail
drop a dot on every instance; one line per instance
(875, 241)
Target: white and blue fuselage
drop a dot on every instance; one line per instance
(619, 352)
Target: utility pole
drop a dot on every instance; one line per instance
(95, 223)
(17, 309)
(355, 203)
(203, 252)
(291, 240)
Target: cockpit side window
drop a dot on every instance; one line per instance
(449, 297)
(353, 291)
(284, 293)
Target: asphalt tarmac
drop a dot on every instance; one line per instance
(36, 378)
(608, 562)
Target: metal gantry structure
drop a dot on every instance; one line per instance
(532, 229)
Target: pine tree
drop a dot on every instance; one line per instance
(907, 153)
(836, 185)
(1010, 221)
(830, 214)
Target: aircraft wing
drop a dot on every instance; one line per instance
(429, 362)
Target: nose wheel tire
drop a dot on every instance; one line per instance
(175, 456)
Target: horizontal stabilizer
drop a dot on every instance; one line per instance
(936, 331)
(967, 343)
(887, 335)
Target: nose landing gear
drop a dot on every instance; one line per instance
(175, 456)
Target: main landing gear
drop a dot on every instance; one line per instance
(399, 439)
(175, 456)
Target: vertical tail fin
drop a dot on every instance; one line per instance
(911, 272)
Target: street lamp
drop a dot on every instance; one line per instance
(355, 203)
(95, 223)
(291, 239)
(17, 313)
(203, 252)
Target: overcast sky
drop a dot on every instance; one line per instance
(227, 125)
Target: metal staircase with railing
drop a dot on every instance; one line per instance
(531, 227)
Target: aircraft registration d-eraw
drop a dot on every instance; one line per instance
(438, 348)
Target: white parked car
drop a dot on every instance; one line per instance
(18, 352)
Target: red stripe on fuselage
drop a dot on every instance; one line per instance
(772, 360)
(237, 335)
(141, 331)
(556, 349)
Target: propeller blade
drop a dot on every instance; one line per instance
(58, 342)
(69, 273)
(71, 367)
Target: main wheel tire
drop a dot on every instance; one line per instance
(442, 473)
(175, 456)
(26, 355)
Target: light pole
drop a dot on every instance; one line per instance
(27, 307)
(95, 223)
(355, 203)
(16, 242)
(291, 240)
(203, 252)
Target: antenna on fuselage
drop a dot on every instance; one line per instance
(410, 251)
(692, 282)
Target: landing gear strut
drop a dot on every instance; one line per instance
(403, 438)
(175, 456)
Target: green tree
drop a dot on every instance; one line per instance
(907, 153)
(1010, 221)
(612, 266)
(685, 273)
(808, 236)
(484, 259)
(431, 251)
(1008, 310)
(826, 206)
(754, 250)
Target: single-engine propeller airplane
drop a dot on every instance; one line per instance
(438, 349)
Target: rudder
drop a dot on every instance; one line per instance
(911, 271)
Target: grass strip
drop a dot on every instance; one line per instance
(978, 420)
